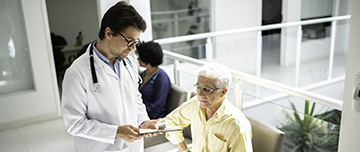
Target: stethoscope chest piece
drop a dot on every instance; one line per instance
(97, 87)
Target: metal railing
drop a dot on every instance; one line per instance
(257, 80)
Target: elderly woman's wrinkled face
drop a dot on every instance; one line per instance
(207, 93)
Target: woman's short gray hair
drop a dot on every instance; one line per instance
(217, 71)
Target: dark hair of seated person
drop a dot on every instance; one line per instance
(150, 52)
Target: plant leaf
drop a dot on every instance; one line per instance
(312, 109)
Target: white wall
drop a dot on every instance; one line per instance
(349, 130)
(68, 17)
(233, 14)
(42, 102)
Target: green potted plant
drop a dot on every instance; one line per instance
(310, 132)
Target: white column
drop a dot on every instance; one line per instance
(291, 11)
(143, 7)
(349, 130)
(103, 6)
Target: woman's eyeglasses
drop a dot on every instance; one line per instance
(130, 43)
(205, 89)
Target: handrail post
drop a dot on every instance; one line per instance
(176, 24)
(332, 38)
(258, 58)
(176, 72)
(238, 94)
(200, 51)
(298, 55)
(258, 53)
(332, 48)
(209, 50)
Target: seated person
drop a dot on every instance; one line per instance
(156, 85)
(216, 124)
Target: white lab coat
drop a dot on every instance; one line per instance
(93, 118)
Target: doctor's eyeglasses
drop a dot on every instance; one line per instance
(205, 89)
(130, 43)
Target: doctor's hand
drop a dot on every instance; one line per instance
(150, 124)
(128, 133)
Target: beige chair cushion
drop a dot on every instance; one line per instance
(266, 138)
(176, 97)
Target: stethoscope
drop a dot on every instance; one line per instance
(97, 87)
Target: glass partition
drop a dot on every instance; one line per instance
(15, 66)
(305, 128)
(341, 48)
(188, 76)
(194, 49)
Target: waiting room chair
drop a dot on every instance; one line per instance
(176, 97)
(266, 138)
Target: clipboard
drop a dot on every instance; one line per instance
(147, 131)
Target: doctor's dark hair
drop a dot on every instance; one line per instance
(119, 17)
(150, 52)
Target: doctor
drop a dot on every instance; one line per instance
(102, 107)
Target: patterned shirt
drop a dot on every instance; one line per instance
(227, 131)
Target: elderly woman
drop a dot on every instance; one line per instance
(156, 85)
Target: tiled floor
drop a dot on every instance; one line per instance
(50, 136)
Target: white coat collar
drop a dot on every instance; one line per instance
(97, 61)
